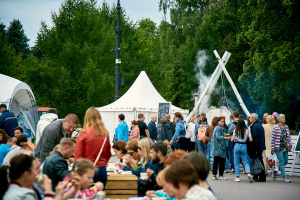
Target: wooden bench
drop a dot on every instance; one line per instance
(121, 186)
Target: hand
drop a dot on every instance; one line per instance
(289, 148)
(171, 142)
(121, 165)
(272, 152)
(149, 172)
(177, 141)
(150, 194)
(126, 159)
(99, 185)
(75, 180)
(47, 184)
(60, 189)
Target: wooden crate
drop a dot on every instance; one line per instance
(121, 186)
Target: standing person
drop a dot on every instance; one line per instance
(152, 128)
(121, 132)
(201, 138)
(281, 144)
(268, 137)
(8, 120)
(240, 136)
(28, 146)
(172, 125)
(53, 133)
(5, 148)
(208, 134)
(165, 132)
(91, 139)
(259, 145)
(135, 131)
(265, 118)
(56, 166)
(236, 116)
(44, 121)
(179, 132)
(190, 134)
(144, 132)
(218, 149)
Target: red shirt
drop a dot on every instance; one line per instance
(88, 146)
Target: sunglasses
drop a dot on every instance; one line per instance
(130, 153)
(139, 148)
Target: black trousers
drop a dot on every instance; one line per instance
(183, 143)
(219, 161)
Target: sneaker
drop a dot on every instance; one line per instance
(244, 172)
(287, 180)
(223, 178)
(237, 180)
(273, 176)
(215, 178)
(232, 170)
(250, 178)
(227, 172)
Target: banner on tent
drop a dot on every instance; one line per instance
(163, 109)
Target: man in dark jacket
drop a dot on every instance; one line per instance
(53, 133)
(56, 166)
(172, 125)
(8, 121)
(258, 145)
(152, 128)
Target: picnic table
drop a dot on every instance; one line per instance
(121, 186)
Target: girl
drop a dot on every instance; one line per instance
(85, 171)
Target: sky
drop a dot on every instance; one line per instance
(32, 12)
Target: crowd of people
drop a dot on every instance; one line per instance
(175, 155)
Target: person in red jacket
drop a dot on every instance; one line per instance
(90, 141)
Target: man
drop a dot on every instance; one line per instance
(132, 150)
(144, 132)
(8, 120)
(236, 117)
(158, 155)
(5, 148)
(16, 149)
(45, 120)
(265, 118)
(122, 129)
(56, 166)
(172, 125)
(254, 151)
(53, 133)
(152, 128)
(28, 146)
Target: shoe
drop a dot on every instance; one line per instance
(259, 180)
(244, 172)
(232, 170)
(227, 172)
(273, 176)
(215, 178)
(287, 180)
(237, 180)
(223, 178)
(250, 178)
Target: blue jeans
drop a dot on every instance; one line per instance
(208, 151)
(283, 160)
(202, 147)
(240, 152)
(101, 175)
(230, 151)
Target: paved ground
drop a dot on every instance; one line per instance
(270, 190)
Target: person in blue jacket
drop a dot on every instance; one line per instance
(122, 129)
(180, 132)
(8, 121)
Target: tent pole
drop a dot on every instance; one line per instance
(232, 84)
(206, 89)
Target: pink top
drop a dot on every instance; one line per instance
(135, 133)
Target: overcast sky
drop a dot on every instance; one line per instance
(32, 12)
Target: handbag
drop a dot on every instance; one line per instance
(273, 162)
(99, 154)
(256, 166)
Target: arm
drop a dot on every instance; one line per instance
(2, 121)
(79, 151)
(233, 136)
(147, 133)
(288, 136)
(177, 131)
(48, 144)
(196, 129)
(231, 128)
(60, 169)
(219, 135)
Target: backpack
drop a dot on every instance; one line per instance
(201, 132)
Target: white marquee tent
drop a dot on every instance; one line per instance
(20, 100)
(141, 97)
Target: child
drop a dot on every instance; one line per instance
(86, 171)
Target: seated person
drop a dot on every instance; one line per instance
(119, 149)
(15, 149)
(56, 166)
(132, 154)
(5, 148)
(28, 146)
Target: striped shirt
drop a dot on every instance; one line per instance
(276, 134)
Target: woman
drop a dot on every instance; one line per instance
(179, 132)
(281, 144)
(164, 132)
(202, 144)
(135, 131)
(182, 181)
(268, 136)
(218, 149)
(190, 134)
(3, 136)
(119, 148)
(240, 135)
(91, 139)
(22, 174)
(208, 134)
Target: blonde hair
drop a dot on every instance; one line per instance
(93, 118)
(194, 119)
(270, 119)
(82, 165)
(145, 145)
